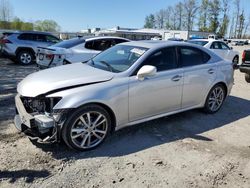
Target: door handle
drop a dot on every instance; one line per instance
(210, 71)
(176, 78)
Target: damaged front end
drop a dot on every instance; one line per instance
(36, 118)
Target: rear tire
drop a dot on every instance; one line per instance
(25, 57)
(215, 99)
(247, 78)
(86, 128)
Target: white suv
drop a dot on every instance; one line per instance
(22, 45)
(75, 50)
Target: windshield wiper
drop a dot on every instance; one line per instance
(108, 65)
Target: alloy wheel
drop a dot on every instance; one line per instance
(216, 98)
(25, 58)
(89, 130)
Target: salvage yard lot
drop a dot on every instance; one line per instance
(190, 149)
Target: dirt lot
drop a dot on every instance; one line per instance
(190, 149)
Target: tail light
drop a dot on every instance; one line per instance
(5, 41)
(244, 56)
(49, 56)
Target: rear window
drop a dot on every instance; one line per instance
(100, 44)
(192, 56)
(198, 42)
(69, 43)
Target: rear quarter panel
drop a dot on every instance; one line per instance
(226, 74)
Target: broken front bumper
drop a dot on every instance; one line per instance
(37, 127)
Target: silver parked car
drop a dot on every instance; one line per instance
(127, 84)
(75, 50)
(23, 44)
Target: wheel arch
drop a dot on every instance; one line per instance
(19, 49)
(224, 86)
(236, 55)
(108, 109)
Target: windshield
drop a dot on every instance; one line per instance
(198, 42)
(118, 58)
(70, 43)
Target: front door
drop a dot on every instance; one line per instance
(159, 94)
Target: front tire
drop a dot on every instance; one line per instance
(247, 78)
(86, 128)
(215, 99)
(25, 57)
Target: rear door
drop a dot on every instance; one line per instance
(198, 75)
(217, 48)
(227, 52)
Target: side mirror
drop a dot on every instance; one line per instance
(146, 71)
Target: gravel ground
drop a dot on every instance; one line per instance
(190, 149)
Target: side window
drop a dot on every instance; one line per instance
(191, 56)
(26, 36)
(89, 45)
(52, 39)
(40, 38)
(164, 59)
(101, 45)
(215, 45)
(224, 46)
(118, 41)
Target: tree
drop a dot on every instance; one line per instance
(202, 24)
(241, 24)
(225, 20)
(46, 25)
(27, 26)
(150, 21)
(5, 14)
(179, 13)
(214, 12)
(190, 8)
(169, 19)
(231, 31)
(246, 27)
(160, 19)
(237, 14)
(16, 24)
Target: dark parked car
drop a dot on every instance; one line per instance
(245, 66)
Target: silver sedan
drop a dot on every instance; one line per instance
(127, 84)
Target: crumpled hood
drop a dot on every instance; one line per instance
(61, 77)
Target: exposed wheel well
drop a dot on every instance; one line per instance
(235, 57)
(109, 110)
(26, 49)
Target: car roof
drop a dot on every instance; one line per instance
(207, 40)
(32, 32)
(155, 43)
(88, 38)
